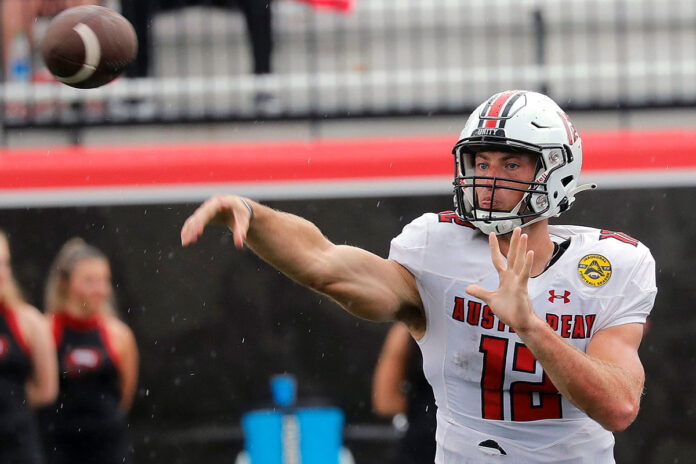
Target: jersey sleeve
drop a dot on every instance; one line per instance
(408, 248)
(637, 297)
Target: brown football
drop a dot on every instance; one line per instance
(88, 46)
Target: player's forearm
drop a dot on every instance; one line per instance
(289, 243)
(364, 284)
(605, 392)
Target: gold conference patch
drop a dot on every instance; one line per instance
(594, 270)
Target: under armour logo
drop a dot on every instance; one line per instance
(564, 297)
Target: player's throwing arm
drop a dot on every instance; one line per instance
(366, 285)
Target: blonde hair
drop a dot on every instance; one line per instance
(71, 253)
(10, 293)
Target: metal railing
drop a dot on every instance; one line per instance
(386, 57)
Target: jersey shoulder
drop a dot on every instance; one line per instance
(439, 243)
(604, 239)
(601, 253)
(432, 228)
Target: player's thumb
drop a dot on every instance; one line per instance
(239, 229)
(478, 292)
(239, 237)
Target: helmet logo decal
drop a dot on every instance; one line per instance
(594, 270)
(570, 128)
(497, 110)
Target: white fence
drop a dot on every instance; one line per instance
(392, 57)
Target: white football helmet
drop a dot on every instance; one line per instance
(526, 122)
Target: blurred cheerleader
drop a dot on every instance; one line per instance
(28, 371)
(98, 360)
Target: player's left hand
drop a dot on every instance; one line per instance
(510, 301)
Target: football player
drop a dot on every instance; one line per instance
(529, 332)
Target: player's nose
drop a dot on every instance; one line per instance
(494, 171)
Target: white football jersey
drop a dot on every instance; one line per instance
(495, 403)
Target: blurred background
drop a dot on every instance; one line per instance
(313, 106)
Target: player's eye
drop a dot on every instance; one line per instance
(513, 165)
(481, 166)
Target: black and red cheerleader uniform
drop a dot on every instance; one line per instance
(19, 438)
(86, 424)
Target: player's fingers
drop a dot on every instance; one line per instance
(188, 234)
(239, 238)
(512, 249)
(496, 256)
(192, 229)
(239, 217)
(194, 225)
(527, 269)
(240, 227)
(520, 253)
(479, 292)
(229, 211)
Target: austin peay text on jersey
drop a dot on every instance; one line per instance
(475, 313)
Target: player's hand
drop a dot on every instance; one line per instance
(226, 210)
(510, 302)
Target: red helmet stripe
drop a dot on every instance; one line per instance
(510, 103)
(494, 112)
(569, 130)
(486, 108)
(494, 108)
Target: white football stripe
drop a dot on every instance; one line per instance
(92, 55)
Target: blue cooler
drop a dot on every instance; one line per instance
(306, 436)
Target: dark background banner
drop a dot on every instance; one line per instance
(213, 324)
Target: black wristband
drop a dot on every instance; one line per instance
(251, 210)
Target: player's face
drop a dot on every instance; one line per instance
(5, 269)
(513, 166)
(90, 284)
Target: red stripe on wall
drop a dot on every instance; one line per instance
(198, 164)
(628, 150)
(340, 5)
(326, 160)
